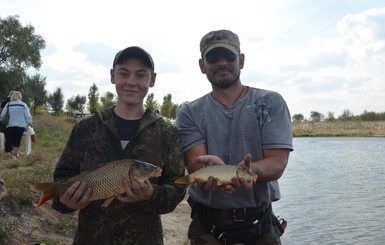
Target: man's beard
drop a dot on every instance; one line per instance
(224, 83)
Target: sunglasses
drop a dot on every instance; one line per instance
(212, 57)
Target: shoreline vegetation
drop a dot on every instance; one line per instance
(22, 223)
(339, 129)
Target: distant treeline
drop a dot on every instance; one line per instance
(346, 115)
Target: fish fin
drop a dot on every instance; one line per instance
(183, 180)
(108, 201)
(49, 191)
(46, 196)
(220, 182)
(42, 187)
(255, 178)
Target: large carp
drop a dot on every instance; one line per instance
(105, 181)
(223, 173)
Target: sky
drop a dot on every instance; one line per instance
(324, 56)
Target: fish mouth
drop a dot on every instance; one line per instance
(158, 172)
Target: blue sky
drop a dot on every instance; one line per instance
(324, 56)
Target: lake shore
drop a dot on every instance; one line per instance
(339, 129)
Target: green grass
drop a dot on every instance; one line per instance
(51, 135)
(7, 227)
(66, 224)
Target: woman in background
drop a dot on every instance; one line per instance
(19, 119)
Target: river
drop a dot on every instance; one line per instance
(333, 192)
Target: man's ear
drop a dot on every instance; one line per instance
(112, 76)
(241, 60)
(202, 66)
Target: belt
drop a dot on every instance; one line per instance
(237, 214)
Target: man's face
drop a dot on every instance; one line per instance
(222, 67)
(132, 79)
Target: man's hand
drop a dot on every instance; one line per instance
(76, 197)
(207, 160)
(239, 183)
(136, 191)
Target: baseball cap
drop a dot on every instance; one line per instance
(133, 52)
(220, 39)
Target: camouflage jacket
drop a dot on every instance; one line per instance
(95, 141)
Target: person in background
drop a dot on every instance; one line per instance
(19, 119)
(124, 131)
(225, 127)
(7, 146)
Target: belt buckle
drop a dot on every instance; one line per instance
(238, 211)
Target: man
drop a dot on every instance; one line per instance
(123, 131)
(225, 127)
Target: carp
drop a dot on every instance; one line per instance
(105, 181)
(223, 173)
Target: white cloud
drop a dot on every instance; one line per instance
(321, 56)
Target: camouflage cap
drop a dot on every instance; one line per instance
(220, 39)
(134, 52)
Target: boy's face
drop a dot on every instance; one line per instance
(132, 79)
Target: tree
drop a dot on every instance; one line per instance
(56, 101)
(107, 100)
(151, 103)
(34, 89)
(316, 116)
(11, 80)
(298, 118)
(19, 50)
(76, 104)
(330, 117)
(168, 109)
(93, 98)
(370, 116)
(346, 115)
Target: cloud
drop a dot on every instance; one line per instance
(321, 56)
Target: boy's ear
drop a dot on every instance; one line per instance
(112, 76)
(153, 78)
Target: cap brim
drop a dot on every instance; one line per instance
(221, 45)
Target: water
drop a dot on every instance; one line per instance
(333, 192)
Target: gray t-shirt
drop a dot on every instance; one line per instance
(260, 120)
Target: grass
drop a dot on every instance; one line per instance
(51, 135)
(7, 227)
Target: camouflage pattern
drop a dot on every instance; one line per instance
(94, 141)
(198, 235)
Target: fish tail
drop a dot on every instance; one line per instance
(49, 191)
(183, 180)
(46, 196)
